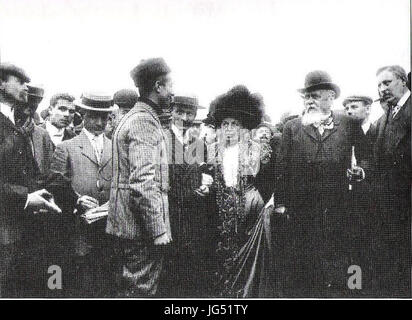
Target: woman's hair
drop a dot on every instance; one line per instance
(238, 103)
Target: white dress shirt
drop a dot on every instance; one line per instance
(55, 133)
(178, 133)
(97, 143)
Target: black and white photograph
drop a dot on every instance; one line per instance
(205, 150)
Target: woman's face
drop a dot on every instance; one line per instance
(231, 128)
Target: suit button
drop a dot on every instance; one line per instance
(16, 133)
(20, 152)
(24, 171)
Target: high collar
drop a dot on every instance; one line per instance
(155, 106)
(7, 111)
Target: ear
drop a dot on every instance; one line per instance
(157, 86)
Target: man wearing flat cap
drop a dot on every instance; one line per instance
(82, 167)
(139, 208)
(359, 107)
(19, 185)
(187, 204)
(125, 99)
(392, 183)
(315, 159)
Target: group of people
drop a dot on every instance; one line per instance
(233, 207)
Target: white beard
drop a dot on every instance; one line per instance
(313, 117)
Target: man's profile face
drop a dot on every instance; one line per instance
(15, 89)
(390, 87)
(183, 116)
(166, 92)
(357, 110)
(61, 115)
(95, 122)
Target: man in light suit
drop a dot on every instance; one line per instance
(82, 167)
(392, 184)
(19, 188)
(139, 212)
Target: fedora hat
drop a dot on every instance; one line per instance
(317, 80)
(186, 101)
(95, 102)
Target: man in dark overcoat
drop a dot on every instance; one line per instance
(315, 156)
(187, 205)
(392, 184)
(19, 186)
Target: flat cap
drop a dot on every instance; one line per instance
(11, 69)
(35, 94)
(149, 69)
(186, 101)
(125, 98)
(366, 99)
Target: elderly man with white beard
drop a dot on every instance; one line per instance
(315, 192)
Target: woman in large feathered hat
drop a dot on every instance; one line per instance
(236, 160)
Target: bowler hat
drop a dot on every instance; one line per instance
(317, 80)
(125, 98)
(148, 70)
(95, 102)
(367, 100)
(190, 102)
(11, 69)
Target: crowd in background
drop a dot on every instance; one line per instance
(230, 206)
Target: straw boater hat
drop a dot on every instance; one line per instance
(95, 102)
(240, 104)
(317, 80)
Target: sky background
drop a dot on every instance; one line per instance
(211, 45)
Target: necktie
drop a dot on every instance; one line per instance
(97, 148)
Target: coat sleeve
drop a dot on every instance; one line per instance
(59, 179)
(146, 199)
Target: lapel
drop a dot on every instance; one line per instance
(86, 148)
(381, 131)
(328, 133)
(7, 122)
(107, 152)
(312, 132)
(402, 121)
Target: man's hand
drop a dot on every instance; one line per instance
(41, 200)
(202, 191)
(355, 174)
(162, 240)
(87, 202)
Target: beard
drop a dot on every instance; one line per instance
(313, 117)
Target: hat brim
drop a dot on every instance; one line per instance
(81, 105)
(320, 86)
(186, 105)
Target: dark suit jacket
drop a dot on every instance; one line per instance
(18, 177)
(43, 149)
(396, 172)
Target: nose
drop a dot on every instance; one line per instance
(184, 117)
